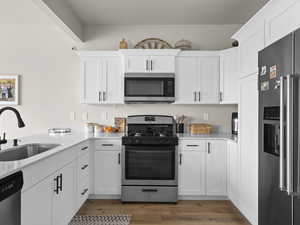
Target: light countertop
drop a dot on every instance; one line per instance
(68, 140)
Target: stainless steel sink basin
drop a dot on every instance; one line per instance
(25, 151)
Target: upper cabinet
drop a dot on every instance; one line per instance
(149, 61)
(229, 76)
(197, 78)
(101, 78)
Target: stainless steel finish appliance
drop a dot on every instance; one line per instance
(149, 88)
(150, 160)
(234, 123)
(279, 155)
(10, 199)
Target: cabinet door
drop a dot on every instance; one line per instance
(137, 64)
(36, 204)
(229, 76)
(113, 81)
(186, 80)
(192, 168)
(233, 172)
(64, 202)
(209, 84)
(216, 170)
(248, 53)
(162, 64)
(248, 130)
(108, 172)
(91, 70)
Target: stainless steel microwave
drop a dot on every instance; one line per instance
(149, 88)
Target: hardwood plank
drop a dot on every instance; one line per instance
(182, 213)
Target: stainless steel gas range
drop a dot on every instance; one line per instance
(150, 160)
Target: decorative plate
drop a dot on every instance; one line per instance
(153, 43)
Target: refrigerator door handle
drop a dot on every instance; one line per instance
(290, 135)
(282, 178)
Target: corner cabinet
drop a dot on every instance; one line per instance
(197, 78)
(229, 76)
(102, 80)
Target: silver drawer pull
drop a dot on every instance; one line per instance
(84, 191)
(192, 145)
(84, 148)
(84, 167)
(107, 145)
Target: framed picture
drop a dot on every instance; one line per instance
(9, 89)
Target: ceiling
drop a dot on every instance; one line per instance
(164, 12)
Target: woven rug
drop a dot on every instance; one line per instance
(101, 220)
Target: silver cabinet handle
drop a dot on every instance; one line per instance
(107, 145)
(104, 96)
(221, 96)
(151, 64)
(84, 191)
(147, 64)
(195, 96)
(192, 145)
(208, 148)
(100, 96)
(84, 148)
(180, 158)
(290, 135)
(199, 96)
(119, 158)
(282, 178)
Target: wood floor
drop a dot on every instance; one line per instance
(182, 213)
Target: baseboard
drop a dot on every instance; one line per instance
(94, 196)
(181, 197)
(201, 197)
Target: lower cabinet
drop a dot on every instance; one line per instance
(107, 172)
(203, 168)
(233, 172)
(51, 202)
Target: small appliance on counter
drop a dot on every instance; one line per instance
(234, 123)
(150, 160)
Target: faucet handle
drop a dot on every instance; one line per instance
(16, 142)
(3, 140)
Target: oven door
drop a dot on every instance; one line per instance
(146, 88)
(150, 165)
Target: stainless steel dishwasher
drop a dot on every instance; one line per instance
(10, 199)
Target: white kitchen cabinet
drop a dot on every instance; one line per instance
(107, 172)
(192, 168)
(248, 149)
(229, 76)
(136, 64)
(233, 172)
(197, 78)
(216, 168)
(64, 201)
(186, 77)
(101, 79)
(248, 52)
(209, 83)
(37, 204)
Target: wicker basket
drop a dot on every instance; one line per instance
(200, 128)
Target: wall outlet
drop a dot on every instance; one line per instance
(72, 116)
(205, 116)
(85, 116)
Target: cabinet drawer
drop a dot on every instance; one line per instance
(104, 145)
(192, 145)
(83, 192)
(83, 167)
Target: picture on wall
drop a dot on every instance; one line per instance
(9, 89)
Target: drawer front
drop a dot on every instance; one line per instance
(83, 167)
(192, 145)
(83, 147)
(106, 144)
(83, 193)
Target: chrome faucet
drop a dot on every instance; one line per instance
(20, 122)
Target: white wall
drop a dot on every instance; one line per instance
(203, 37)
(42, 55)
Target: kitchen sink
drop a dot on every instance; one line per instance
(25, 151)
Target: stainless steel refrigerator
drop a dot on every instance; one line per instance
(279, 123)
